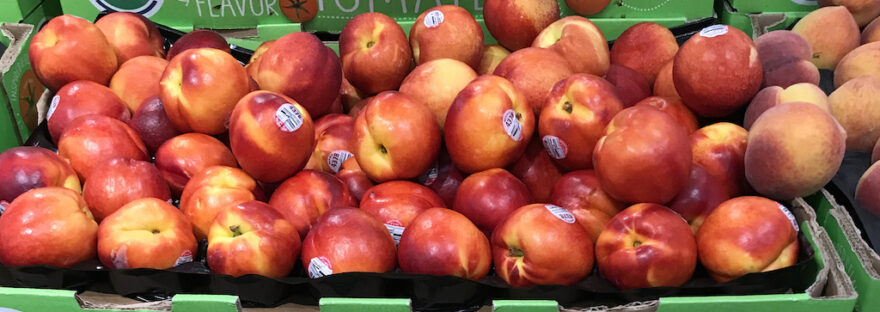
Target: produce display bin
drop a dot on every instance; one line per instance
(830, 290)
(861, 262)
(759, 17)
(20, 88)
(249, 22)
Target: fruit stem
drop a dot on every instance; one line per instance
(516, 252)
(371, 44)
(155, 231)
(637, 243)
(567, 107)
(236, 231)
(383, 149)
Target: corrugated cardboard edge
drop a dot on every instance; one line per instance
(17, 34)
(832, 281)
(101, 301)
(867, 257)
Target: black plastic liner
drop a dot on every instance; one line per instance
(428, 293)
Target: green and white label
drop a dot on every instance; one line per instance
(143, 7)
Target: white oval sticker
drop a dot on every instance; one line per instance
(53, 106)
(561, 213)
(555, 146)
(336, 158)
(433, 19)
(511, 125)
(714, 31)
(288, 118)
(396, 229)
(806, 2)
(320, 267)
(790, 217)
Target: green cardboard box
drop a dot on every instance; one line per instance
(861, 262)
(830, 291)
(756, 23)
(20, 89)
(760, 6)
(247, 23)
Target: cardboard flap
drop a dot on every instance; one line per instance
(100, 301)
(761, 23)
(43, 105)
(17, 34)
(832, 281)
(868, 258)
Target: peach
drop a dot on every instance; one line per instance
(212, 190)
(252, 238)
(92, 139)
(646, 245)
(301, 67)
(772, 96)
(198, 39)
(436, 83)
(645, 47)
(644, 157)
(354, 178)
(375, 53)
(720, 150)
(182, 157)
(868, 189)
(863, 11)
(580, 192)
(488, 125)
(69, 48)
(664, 85)
(785, 56)
(138, 79)
(537, 170)
(675, 108)
(307, 195)
(541, 244)
(47, 226)
(271, 136)
(199, 89)
(25, 168)
(486, 198)
(397, 203)
(534, 71)
(334, 142)
(348, 240)
(131, 35)
(121, 181)
(515, 24)
(629, 85)
(492, 56)
(81, 98)
(702, 194)
(793, 150)
(443, 242)
(856, 106)
(146, 233)
(443, 178)
(151, 123)
(447, 31)
(717, 71)
(579, 41)
(745, 235)
(829, 50)
(858, 63)
(587, 7)
(395, 138)
(574, 119)
(871, 32)
(254, 63)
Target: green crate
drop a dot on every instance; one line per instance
(255, 26)
(831, 291)
(759, 6)
(861, 262)
(756, 24)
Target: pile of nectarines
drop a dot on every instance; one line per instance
(434, 153)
